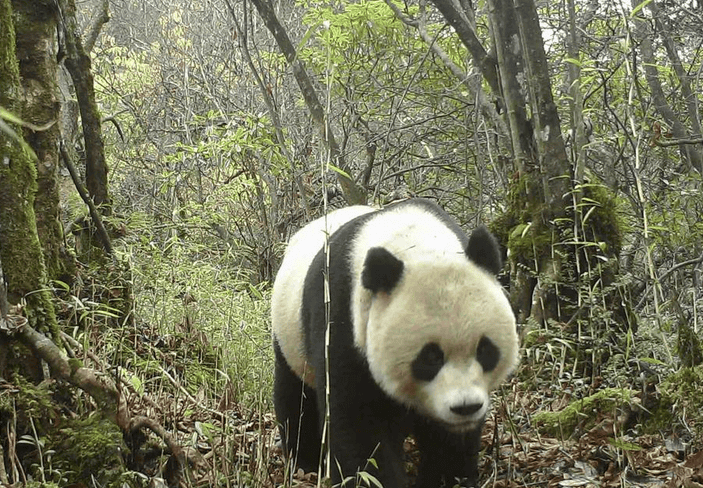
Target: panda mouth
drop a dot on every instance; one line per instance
(460, 427)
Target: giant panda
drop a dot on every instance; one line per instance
(420, 332)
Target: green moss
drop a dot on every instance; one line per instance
(89, 447)
(75, 364)
(680, 400)
(581, 412)
(28, 400)
(688, 345)
(602, 221)
(23, 261)
(520, 227)
(9, 68)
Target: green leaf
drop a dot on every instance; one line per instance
(339, 170)
(639, 7)
(624, 445)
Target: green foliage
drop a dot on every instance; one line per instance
(366, 46)
(674, 214)
(210, 318)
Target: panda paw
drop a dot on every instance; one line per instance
(464, 483)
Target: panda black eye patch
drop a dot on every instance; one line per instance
(487, 354)
(428, 362)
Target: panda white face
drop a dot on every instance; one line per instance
(443, 337)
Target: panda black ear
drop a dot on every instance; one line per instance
(484, 251)
(382, 270)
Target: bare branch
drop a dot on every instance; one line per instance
(94, 214)
(101, 17)
(352, 192)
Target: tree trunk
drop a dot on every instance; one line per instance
(643, 35)
(38, 69)
(538, 226)
(78, 64)
(20, 252)
(352, 192)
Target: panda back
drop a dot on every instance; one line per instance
(287, 295)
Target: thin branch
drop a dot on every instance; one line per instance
(101, 17)
(270, 105)
(666, 273)
(98, 386)
(94, 214)
(486, 108)
(676, 142)
(486, 62)
(690, 262)
(352, 192)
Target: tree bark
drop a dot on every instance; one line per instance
(78, 64)
(352, 192)
(553, 162)
(38, 74)
(511, 66)
(20, 252)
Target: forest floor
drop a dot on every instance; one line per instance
(604, 450)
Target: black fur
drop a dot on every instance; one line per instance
(483, 250)
(487, 354)
(364, 421)
(428, 363)
(382, 270)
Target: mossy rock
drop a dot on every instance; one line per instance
(582, 412)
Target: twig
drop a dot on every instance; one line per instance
(666, 273)
(190, 397)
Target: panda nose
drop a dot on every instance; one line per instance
(466, 409)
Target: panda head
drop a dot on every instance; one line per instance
(440, 331)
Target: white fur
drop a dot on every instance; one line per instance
(287, 296)
(442, 297)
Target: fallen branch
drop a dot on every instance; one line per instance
(102, 389)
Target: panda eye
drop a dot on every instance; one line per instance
(487, 354)
(428, 362)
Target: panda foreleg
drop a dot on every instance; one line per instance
(447, 456)
(366, 446)
(364, 425)
(296, 412)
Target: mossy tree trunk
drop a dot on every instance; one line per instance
(542, 179)
(20, 251)
(36, 30)
(550, 262)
